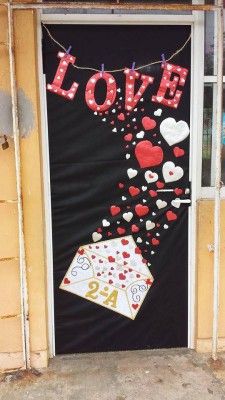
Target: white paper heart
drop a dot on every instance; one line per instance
(124, 198)
(149, 225)
(128, 216)
(171, 173)
(165, 226)
(161, 204)
(144, 188)
(151, 176)
(158, 112)
(176, 202)
(139, 240)
(127, 156)
(140, 135)
(174, 132)
(114, 130)
(131, 173)
(105, 222)
(96, 236)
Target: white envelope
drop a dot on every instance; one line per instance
(111, 273)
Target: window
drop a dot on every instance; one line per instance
(208, 144)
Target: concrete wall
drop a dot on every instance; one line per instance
(11, 349)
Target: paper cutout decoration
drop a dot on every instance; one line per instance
(55, 86)
(174, 132)
(110, 273)
(166, 84)
(171, 173)
(131, 98)
(110, 91)
(147, 154)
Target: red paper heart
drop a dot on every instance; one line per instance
(110, 281)
(160, 185)
(66, 281)
(178, 152)
(122, 277)
(152, 193)
(178, 191)
(109, 233)
(134, 228)
(111, 259)
(121, 230)
(128, 137)
(147, 154)
(114, 210)
(99, 230)
(81, 251)
(141, 210)
(125, 254)
(137, 250)
(134, 191)
(121, 117)
(171, 216)
(121, 185)
(148, 123)
(124, 242)
(135, 306)
(155, 242)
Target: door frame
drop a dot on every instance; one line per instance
(196, 21)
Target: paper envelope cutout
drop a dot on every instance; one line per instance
(111, 273)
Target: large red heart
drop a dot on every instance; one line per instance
(114, 210)
(147, 154)
(148, 123)
(141, 210)
(134, 191)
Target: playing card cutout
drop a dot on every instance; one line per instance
(111, 273)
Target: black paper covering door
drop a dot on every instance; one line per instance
(89, 162)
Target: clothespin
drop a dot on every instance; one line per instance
(102, 69)
(133, 66)
(5, 145)
(163, 59)
(68, 50)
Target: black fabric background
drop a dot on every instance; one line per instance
(87, 161)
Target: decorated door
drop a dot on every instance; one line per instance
(120, 190)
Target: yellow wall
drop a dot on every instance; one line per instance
(11, 355)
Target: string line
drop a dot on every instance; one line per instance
(119, 69)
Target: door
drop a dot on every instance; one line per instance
(120, 191)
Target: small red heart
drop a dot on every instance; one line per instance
(124, 242)
(110, 273)
(137, 250)
(134, 191)
(148, 123)
(109, 233)
(128, 137)
(112, 122)
(122, 277)
(81, 251)
(110, 281)
(121, 116)
(114, 210)
(130, 270)
(155, 242)
(111, 259)
(93, 257)
(123, 286)
(153, 193)
(99, 230)
(178, 191)
(66, 281)
(121, 230)
(171, 216)
(121, 185)
(160, 185)
(134, 228)
(147, 154)
(135, 306)
(138, 275)
(141, 210)
(98, 274)
(100, 261)
(178, 152)
(125, 254)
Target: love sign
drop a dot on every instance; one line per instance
(168, 93)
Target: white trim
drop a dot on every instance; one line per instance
(196, 20)
(47, 196)
(208, 193)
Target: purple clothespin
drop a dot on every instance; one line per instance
(68, 50)
(133, 66)
(102, 69)
(163, 59)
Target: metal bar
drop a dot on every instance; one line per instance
(115, 6)
(218, 130)
(22, 258)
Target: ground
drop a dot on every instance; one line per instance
(132, 375)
